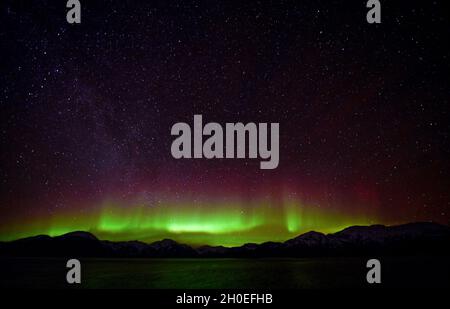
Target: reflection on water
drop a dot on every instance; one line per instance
(224, 273)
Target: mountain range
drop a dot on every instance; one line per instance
(421, 238)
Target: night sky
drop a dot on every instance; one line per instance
(86, 113)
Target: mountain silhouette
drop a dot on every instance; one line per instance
(420, 238)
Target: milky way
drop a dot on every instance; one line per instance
(86, 113)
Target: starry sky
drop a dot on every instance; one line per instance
(86, 113)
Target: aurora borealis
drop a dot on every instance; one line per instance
(86, 113)
(226, 224)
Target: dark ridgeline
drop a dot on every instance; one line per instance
(408, 239)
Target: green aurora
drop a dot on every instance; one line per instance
(213, 223)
